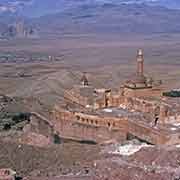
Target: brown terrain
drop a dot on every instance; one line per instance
(35, 78)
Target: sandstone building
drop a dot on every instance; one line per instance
(139, 84)
(138, 110)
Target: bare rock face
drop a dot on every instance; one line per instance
(35, 139)
(115, 169)
(10, 116)
(149, 163)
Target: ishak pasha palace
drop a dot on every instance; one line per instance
(140, 109)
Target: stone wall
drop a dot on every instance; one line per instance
(147, 92)
(81, 126)
(147, 133)
(152, 107)
(40, 125)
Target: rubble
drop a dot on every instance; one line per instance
(129, 149)
(7, 174)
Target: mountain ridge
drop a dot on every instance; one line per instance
(102, 18)
(37, 8)
(112, 19)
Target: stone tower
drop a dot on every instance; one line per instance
(84, 80)
(140, 63)
(20, 30)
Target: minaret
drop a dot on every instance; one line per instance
(140, 63)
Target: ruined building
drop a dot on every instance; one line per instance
(138, 110)
(23, 30)
(19, 29)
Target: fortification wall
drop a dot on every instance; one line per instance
(140, 105)
(148, 133)
(154, 108)
(148, 92)
(40, 125)
(82, 126)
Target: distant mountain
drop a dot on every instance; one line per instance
(57, 17)
(35, 8)
(110, 18)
